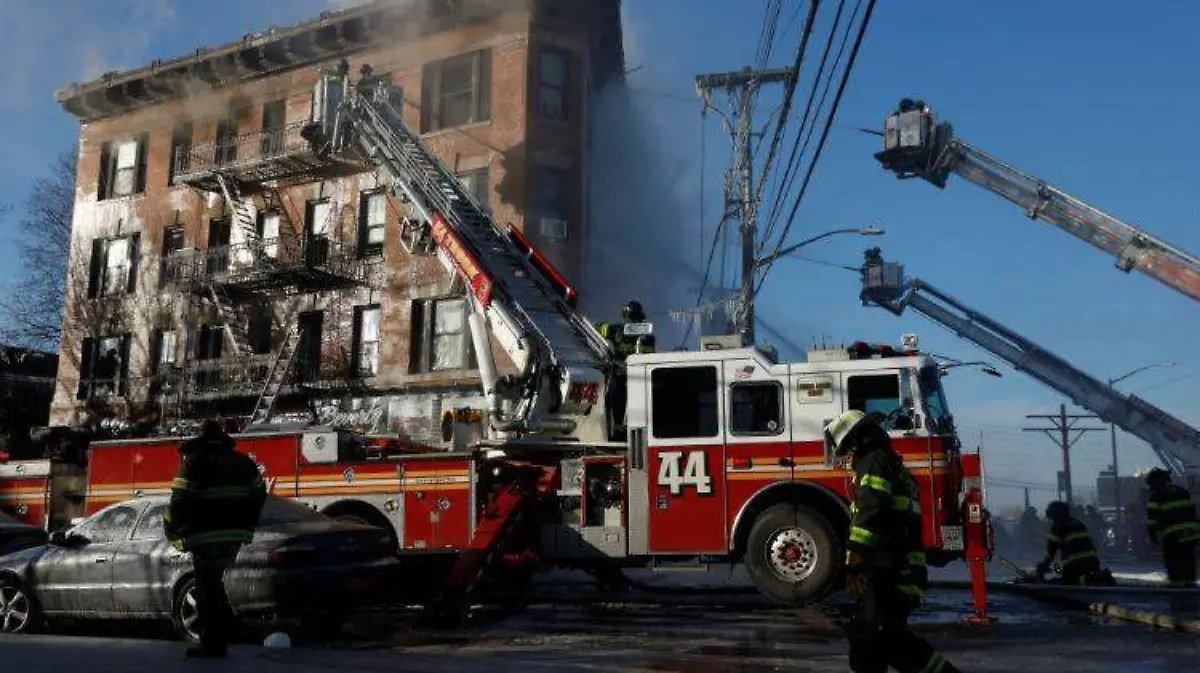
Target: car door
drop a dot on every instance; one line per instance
(144, 568)
(76, 578)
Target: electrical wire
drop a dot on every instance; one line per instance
(798, 151)
(862, 31)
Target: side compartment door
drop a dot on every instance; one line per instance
(758, 449)
(686, 458)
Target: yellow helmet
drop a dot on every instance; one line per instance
(839, 428)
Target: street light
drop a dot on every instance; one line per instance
(861, 231)
(1112, 429)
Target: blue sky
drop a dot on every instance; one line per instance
(1091, 96)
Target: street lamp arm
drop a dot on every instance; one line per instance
(869, 231)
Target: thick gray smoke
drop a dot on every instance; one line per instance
(643, 239)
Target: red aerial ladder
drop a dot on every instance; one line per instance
(916, 145)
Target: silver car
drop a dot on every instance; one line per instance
(117, 564)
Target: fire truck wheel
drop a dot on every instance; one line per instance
(790, 554)
(19, 611)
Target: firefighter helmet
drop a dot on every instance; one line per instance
(1157, 476)
(842, 427)
(1057, 510)
(633, 312)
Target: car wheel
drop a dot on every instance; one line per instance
(791, 555)
(18, 610)
(184, 614)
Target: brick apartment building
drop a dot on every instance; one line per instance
(211, 246)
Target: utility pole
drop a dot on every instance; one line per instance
(1065, 434)
(742, 88)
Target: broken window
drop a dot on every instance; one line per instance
(104, 367)
(227, 141)
(552, 84)
(440, 339)
(552, 201)
(272, 128)
(372, 219)
(258, 330)
(366, 340)
(219, 232)
(173, 240)
(113, 266)
(123, 167)
(456, 91)
(181, 150)
(476, 184)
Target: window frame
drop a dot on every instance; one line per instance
(89, 359)
(359, 344)
(852, 377)
(433, 94)
(657, 397)
(781, 406)
(181, 150)
(367, 248)
(562, 88)
(99, 266)
(475, 180)
(158, 532)
(110, 165)
(422, 351)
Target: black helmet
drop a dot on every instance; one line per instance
(633, 312)
(1057, 510)
(1157, 476)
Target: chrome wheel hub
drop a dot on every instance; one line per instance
(14, 610)
(188, 614)
(792, 553)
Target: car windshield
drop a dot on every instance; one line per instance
(278, 511)
(934, 400)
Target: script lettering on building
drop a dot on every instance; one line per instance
(369, 419)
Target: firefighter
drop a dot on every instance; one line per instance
(1171, 523)
(215, 503)
(885, 555)
(624, 345)
(1069, 538)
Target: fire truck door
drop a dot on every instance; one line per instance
(758, 446)
(685, 459)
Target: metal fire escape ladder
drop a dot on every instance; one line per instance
(1175, 442)
(915, 145)
(239, 205)
(280, 366)
(529, 319)
(228, 319)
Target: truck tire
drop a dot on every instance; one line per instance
(792, 554)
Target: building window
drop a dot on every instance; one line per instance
(104, 367)
(273, 116)
(227, 141)
(756, 408)
(552, 202)
(318, 225)
(684, 402)
(220, 231)
(440, 339)
(114, 266)
(366, 340)
(456, 91)
(165, 347)
(173, 240)
(372, 220)
(181, 150)
(267, 227)
(476, 184)
(259, 330)
(123, 167)
(552, 84)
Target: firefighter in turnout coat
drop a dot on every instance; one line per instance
(885, 554)
(1171, 522)
(1070, 540)
(215, 503)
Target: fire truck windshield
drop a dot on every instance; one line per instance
(934, 400)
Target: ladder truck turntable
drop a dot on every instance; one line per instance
(720, 456)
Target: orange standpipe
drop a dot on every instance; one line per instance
(980, 541)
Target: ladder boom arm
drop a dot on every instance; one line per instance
(915, 145)
(1176, 443)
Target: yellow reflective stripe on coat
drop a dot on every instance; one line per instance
(1074, 536)
(1170, 504)
(1180, 527)
(181, 484)
(906, 504)
(877, 483)
(935, 664)
(862, 536)
(1079, 556)
(916, 558)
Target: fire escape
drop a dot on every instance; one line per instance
(262, 257)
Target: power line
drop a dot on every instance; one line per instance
(1063, 425)
(858, 40)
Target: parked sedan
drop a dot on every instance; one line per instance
(17, 535)
(118, 564)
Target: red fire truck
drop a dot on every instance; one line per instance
(716, 453)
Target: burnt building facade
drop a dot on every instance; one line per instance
(217, 262)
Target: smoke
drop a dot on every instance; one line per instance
(643, 241)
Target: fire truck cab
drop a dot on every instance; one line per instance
(726, 458)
